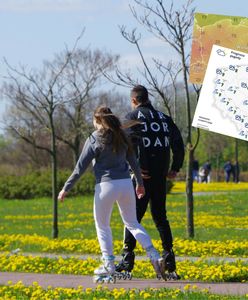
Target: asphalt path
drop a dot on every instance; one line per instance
(73, 281)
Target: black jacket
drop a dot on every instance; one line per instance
(154, 138)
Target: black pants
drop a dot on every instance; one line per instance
(155, 194)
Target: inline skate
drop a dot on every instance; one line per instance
(123, 270)
(167, 265)
(155, 259)
(106, 272)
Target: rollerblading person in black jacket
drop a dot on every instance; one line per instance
(154, 139)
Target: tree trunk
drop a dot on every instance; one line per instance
(236, 150)
(55, 230)
(76, 150)
(217, 168)
(236, 171)
(190, 154)
(189, 192)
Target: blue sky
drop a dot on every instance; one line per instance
(34, 30)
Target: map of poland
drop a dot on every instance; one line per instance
(227, 31)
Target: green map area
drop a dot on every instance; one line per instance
(207, 19)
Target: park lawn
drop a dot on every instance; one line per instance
(218, 216)
(221, 226)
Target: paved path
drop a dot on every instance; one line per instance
(58, 280)
(74, 281)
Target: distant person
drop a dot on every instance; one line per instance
(195, 170)
(236, 172)
(228, 169)
(207, 167)
(203, 174)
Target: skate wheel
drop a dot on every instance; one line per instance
(129, 276)
(163, 276)
(97, 279)
(174, 276)
(112, 279)
(166, 277)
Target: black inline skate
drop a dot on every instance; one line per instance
(168, 265)
(123, 270)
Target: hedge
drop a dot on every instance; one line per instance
(38, 184)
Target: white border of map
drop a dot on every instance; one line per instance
(223, 101)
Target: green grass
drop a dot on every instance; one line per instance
(76, 217)
(232, 205)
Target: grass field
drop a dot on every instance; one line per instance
(217, 215)
(221, 229)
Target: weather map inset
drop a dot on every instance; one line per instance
(223, 103)
(209, 29)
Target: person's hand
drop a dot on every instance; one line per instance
(62, 195)
(140, 191)
(172, 174)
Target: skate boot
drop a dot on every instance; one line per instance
(168, 265)
(154, 257)
(106, 272)
(123, 270)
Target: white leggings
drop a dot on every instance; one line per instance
(121, 191)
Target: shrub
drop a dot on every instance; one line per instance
(38, 184)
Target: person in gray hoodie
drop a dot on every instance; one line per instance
(110, 151)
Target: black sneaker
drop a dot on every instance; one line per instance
(127, 262)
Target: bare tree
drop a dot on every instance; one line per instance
(163, 85)
(171, 72)
(173, 26)
(35, 97)
(81, 78)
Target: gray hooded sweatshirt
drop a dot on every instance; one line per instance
(107, 165)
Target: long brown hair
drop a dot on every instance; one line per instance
(104, 116)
